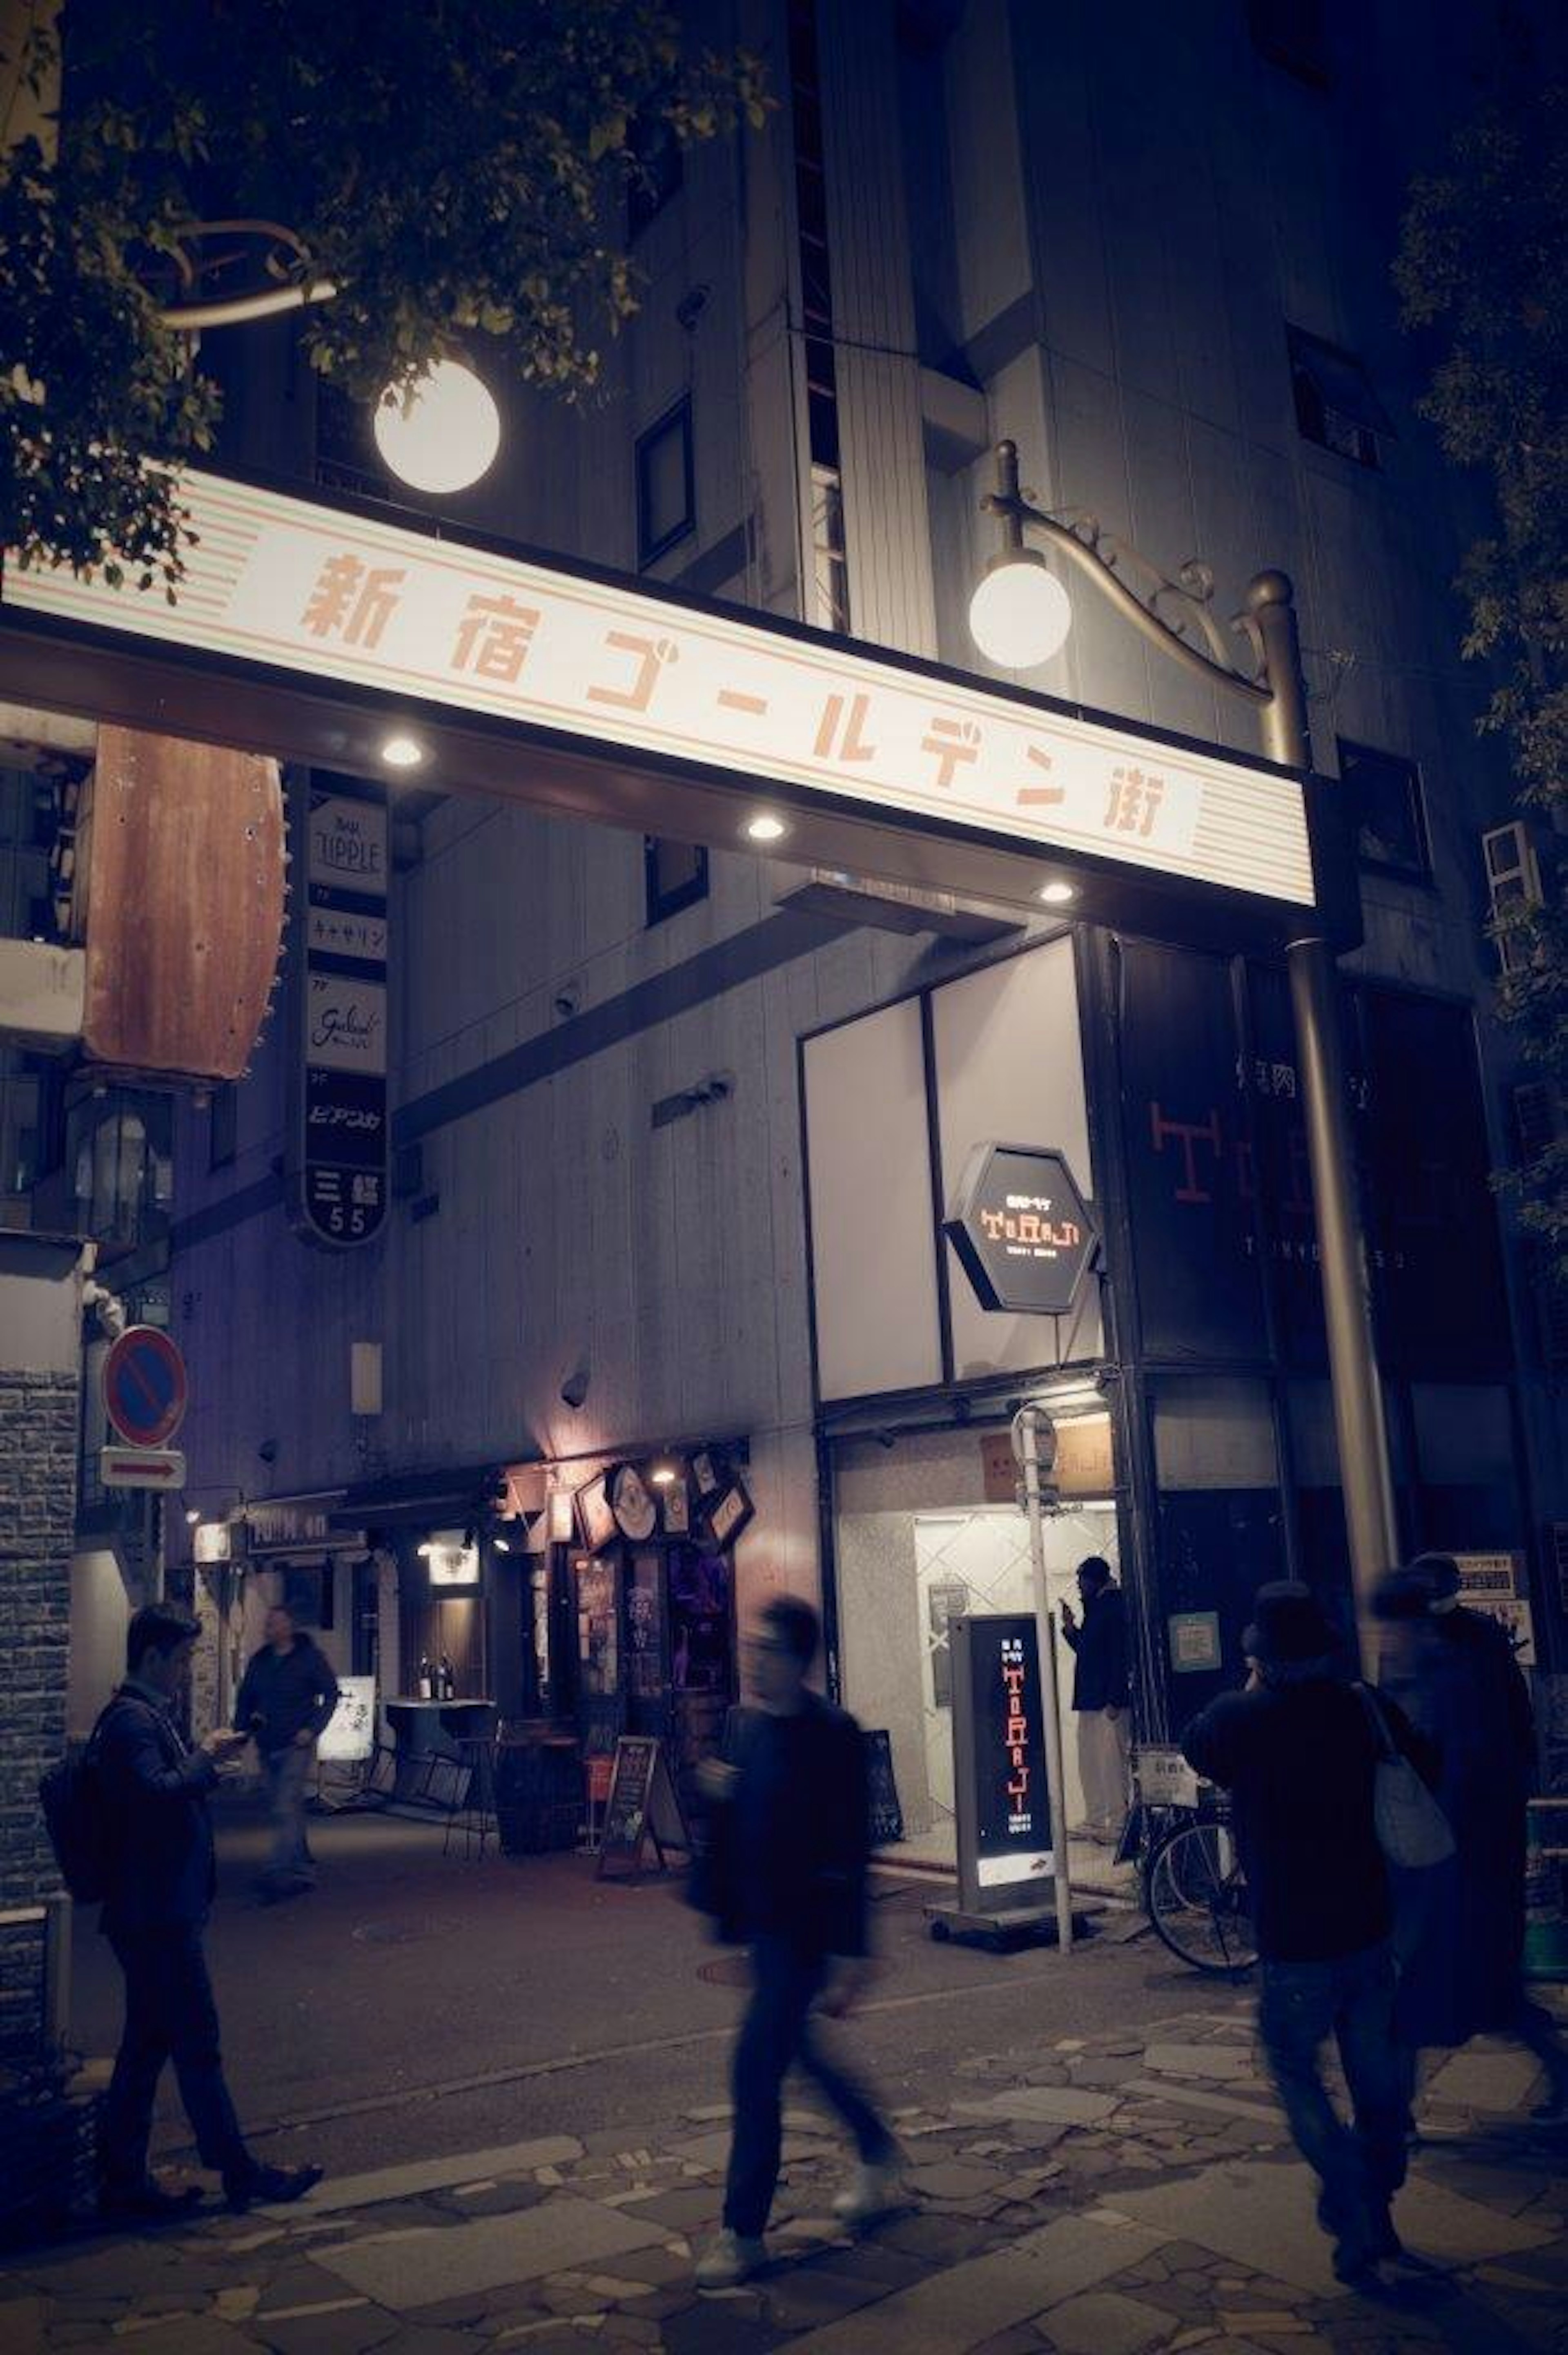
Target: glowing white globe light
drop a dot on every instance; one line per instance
(1019, 615)
(443, 434)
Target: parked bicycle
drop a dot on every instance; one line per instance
(1195, 1891)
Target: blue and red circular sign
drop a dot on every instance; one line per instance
(145, 1386)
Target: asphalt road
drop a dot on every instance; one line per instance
(419, 2004)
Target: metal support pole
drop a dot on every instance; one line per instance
(1370, 1515)
(57, 1970)
(1026, 1436)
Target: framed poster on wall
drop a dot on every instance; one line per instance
(596, 1517)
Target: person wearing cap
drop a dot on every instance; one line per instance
(1298, 1751)
(1461, 1931)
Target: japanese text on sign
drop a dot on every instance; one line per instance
(279, 580)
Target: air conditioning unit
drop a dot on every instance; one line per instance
(1514, 886)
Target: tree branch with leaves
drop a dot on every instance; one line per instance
(1480, 270)
(416, 176)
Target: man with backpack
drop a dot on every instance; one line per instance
(155, 1861)
(1300, 1749)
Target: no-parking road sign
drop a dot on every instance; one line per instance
(145, 1386)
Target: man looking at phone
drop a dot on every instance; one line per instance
(152, 1787)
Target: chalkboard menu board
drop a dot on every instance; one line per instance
(886, 1815)
(642, 1807)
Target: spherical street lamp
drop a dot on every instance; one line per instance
(442, 434)
(1019, 613)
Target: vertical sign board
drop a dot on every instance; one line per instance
(339, 1135)
(1005, 1859)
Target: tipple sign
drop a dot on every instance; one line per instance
(1022, 1229)
(286, 584)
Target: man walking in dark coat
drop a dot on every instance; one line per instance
(1298, 1750)
(287, 1695)
(152, 1787)
(788, 1866)
(1461, 1927)
(1101, 1692)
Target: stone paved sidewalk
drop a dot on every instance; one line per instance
(1127, 2194)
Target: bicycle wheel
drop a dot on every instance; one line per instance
(1198, 1900)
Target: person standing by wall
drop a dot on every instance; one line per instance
(158, 1851)
(1298, 1750)
(787, 1858)
(1101, 1698)
(286, 1696)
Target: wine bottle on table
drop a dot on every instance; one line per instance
(449, 1680)
(426, 1679)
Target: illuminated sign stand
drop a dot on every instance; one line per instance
(1011, 1857)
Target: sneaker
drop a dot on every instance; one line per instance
(145, 2202)
(733, 2258)
(871, 2190)
(268, 2186)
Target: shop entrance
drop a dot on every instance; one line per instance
(655, 1647)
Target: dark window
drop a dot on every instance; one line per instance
(1291, 34)
(666, 493)
(660, 174)
(346, 455)
(1335, 404)
(676, 875)
(223, 1126)
(1390, 820)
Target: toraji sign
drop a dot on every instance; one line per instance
(281, 583)
(339, 1137)
(1022, 1229)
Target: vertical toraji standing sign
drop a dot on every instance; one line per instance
(1000, 1778)
(338, 1135)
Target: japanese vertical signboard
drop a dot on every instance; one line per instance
(338, 1194)
(1005, 1857)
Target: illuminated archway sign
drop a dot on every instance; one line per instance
(323, 634)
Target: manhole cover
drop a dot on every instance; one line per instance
(730, 1971)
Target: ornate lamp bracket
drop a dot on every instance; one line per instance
(1169, 609)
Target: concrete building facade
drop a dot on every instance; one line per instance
(641, 1093)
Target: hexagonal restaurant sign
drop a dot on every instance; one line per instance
(1024, 1234)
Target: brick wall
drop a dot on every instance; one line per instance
(38, 1421)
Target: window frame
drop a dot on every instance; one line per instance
(677, 418)
(660, 905)
(1349, 753)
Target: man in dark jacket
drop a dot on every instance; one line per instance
(152, 1787)
(1298, 1750)
(1461, 1928)
(286, 1697)
(788, 1865)
(1101, 1692)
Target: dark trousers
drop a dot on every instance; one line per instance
(1360, 2165)
(777, 2031)
(170, 2015)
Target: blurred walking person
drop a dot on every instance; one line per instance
(1101, 1694)
(1461, 1927)
(287, 1695)
(1298, 1750)
(786, 1873)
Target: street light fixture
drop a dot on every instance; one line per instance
(1174, 613)
(1019, 615)
(443, 433)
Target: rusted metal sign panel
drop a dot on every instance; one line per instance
(179, 904)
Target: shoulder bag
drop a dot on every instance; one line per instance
(1412, 1829)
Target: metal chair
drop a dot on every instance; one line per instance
(474, 1819)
